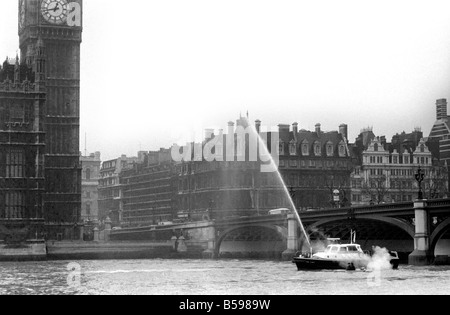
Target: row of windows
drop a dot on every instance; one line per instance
(317, 149)
(312, 163)
(15, 113)
(113, 164)
(15, 164)
(397, 160)
(376, 172)
(376, 147)
(393, 172)
(400, 172)
(394, 184)
(14, 205)
(108, 182)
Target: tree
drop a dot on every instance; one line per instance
(376, 189)
(334, 180)
(435, 184)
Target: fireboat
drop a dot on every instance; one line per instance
(339, 256)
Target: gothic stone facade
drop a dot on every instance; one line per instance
(60, 36)
(22, 149)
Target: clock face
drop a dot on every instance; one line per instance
(21, 14)
(54, 11)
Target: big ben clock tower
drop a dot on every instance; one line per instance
(54, 28)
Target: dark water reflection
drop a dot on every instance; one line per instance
(200, 277)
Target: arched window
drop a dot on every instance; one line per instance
(88, 174)
(422, 148)
(292, 148)
(305, 148)
(375, 147)
(317, 149)
(330, 150)
(341, 149)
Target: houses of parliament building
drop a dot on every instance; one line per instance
(40, 173)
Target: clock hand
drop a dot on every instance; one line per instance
(56, 8)
(50, 10)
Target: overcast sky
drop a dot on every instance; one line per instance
(155, 71)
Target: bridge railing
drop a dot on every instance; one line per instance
(438, 203)
(398, 206)
(363, 209)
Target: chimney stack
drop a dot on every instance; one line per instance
(295, 128)
(318, 129)
(441, 109)
(343, 130)
(282, 128)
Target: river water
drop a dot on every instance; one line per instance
(212, 277)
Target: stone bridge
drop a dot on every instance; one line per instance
(419, 231)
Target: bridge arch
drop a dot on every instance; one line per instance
(399, 223)
(392, 233)
(442, 229)
(276, 233)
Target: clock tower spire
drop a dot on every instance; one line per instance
(51, 32)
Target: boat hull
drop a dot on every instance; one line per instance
(323, 264)
(329, 264)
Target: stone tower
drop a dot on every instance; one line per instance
(53, 29)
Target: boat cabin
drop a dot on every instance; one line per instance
(343, 248)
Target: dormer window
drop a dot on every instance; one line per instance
(317, 149)
(292, 148)
(341, 149)
(375, 147)
(305, 148)
(330, 150)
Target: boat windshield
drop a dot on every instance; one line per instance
(342, 249)
(331, 248)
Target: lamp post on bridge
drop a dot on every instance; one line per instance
(422, 255)
(420, 176)
(336, 198)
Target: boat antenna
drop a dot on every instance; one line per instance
(352, 236)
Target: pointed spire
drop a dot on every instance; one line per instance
(40, 61)
(17, 70)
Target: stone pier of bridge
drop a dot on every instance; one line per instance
(422, 254)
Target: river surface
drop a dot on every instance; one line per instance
(212, 277)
